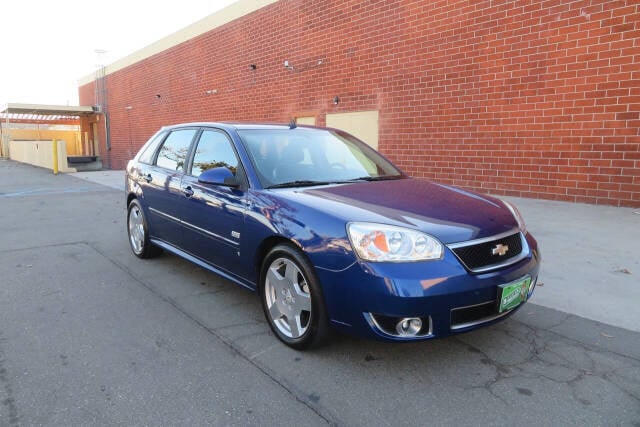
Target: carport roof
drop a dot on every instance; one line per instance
(13, 111)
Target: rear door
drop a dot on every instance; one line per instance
(161, 186)
(213, 217)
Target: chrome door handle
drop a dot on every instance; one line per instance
(188, 191)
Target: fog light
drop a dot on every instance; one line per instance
(409, 326)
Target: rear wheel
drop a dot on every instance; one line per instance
(292, 299)
(139, 232)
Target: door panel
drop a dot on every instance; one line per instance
(213, 215)
(213, 223)
(162, 194)
(161, 186)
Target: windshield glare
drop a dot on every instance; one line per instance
(283, 156)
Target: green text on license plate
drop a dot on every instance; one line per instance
(512, 294)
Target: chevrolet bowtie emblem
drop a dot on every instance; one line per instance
(499, 249)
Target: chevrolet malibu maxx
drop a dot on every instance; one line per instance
(329, 233)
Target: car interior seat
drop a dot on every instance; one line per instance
(289, 166)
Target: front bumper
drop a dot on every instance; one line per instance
(365, 297)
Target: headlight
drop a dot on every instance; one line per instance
(517, 215)
(380, 242)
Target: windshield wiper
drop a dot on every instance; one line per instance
(309, 183)
(300, 183)
(376, 178)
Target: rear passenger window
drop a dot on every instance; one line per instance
(147, 155)
(214, 150)
(173, 154)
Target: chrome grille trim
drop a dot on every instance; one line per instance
(523, 254)
(483, 240)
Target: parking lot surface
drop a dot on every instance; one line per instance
(92, 335)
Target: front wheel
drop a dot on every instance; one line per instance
(292, 299)
(138, 231)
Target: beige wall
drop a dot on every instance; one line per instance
(362, 124)
(70, 138)
(306, 120)
(39, 153)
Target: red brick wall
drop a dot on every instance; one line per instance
(525, 98)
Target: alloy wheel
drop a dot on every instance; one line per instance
(287, 297)
(136, 229)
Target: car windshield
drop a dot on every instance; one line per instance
(304, 156)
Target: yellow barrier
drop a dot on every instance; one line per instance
(55, 157)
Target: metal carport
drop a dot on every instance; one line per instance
(39, 114)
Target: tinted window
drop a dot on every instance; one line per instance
(150, 149)
(173, 153)
(214, 150)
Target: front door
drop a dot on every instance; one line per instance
(213, 215)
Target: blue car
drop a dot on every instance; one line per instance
(329, 233)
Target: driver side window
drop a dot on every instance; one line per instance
(214, 150)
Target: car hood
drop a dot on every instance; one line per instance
(448, 213)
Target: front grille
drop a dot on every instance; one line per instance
(489, 254)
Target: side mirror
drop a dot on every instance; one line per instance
(219, 176)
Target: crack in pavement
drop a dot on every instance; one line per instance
(543, 348)
(53, 245)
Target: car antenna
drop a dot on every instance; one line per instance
(292, 124)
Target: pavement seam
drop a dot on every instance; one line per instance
(52, 245)
(39, 193)
(296, 393)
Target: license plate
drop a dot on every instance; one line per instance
(512, 294)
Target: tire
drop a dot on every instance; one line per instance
(138, 232)
(292, 298)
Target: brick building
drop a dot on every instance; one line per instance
(533, 98)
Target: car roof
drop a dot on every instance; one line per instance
(236, 125)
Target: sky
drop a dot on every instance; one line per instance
(47, 46)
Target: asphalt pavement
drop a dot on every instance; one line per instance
(91, 335)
